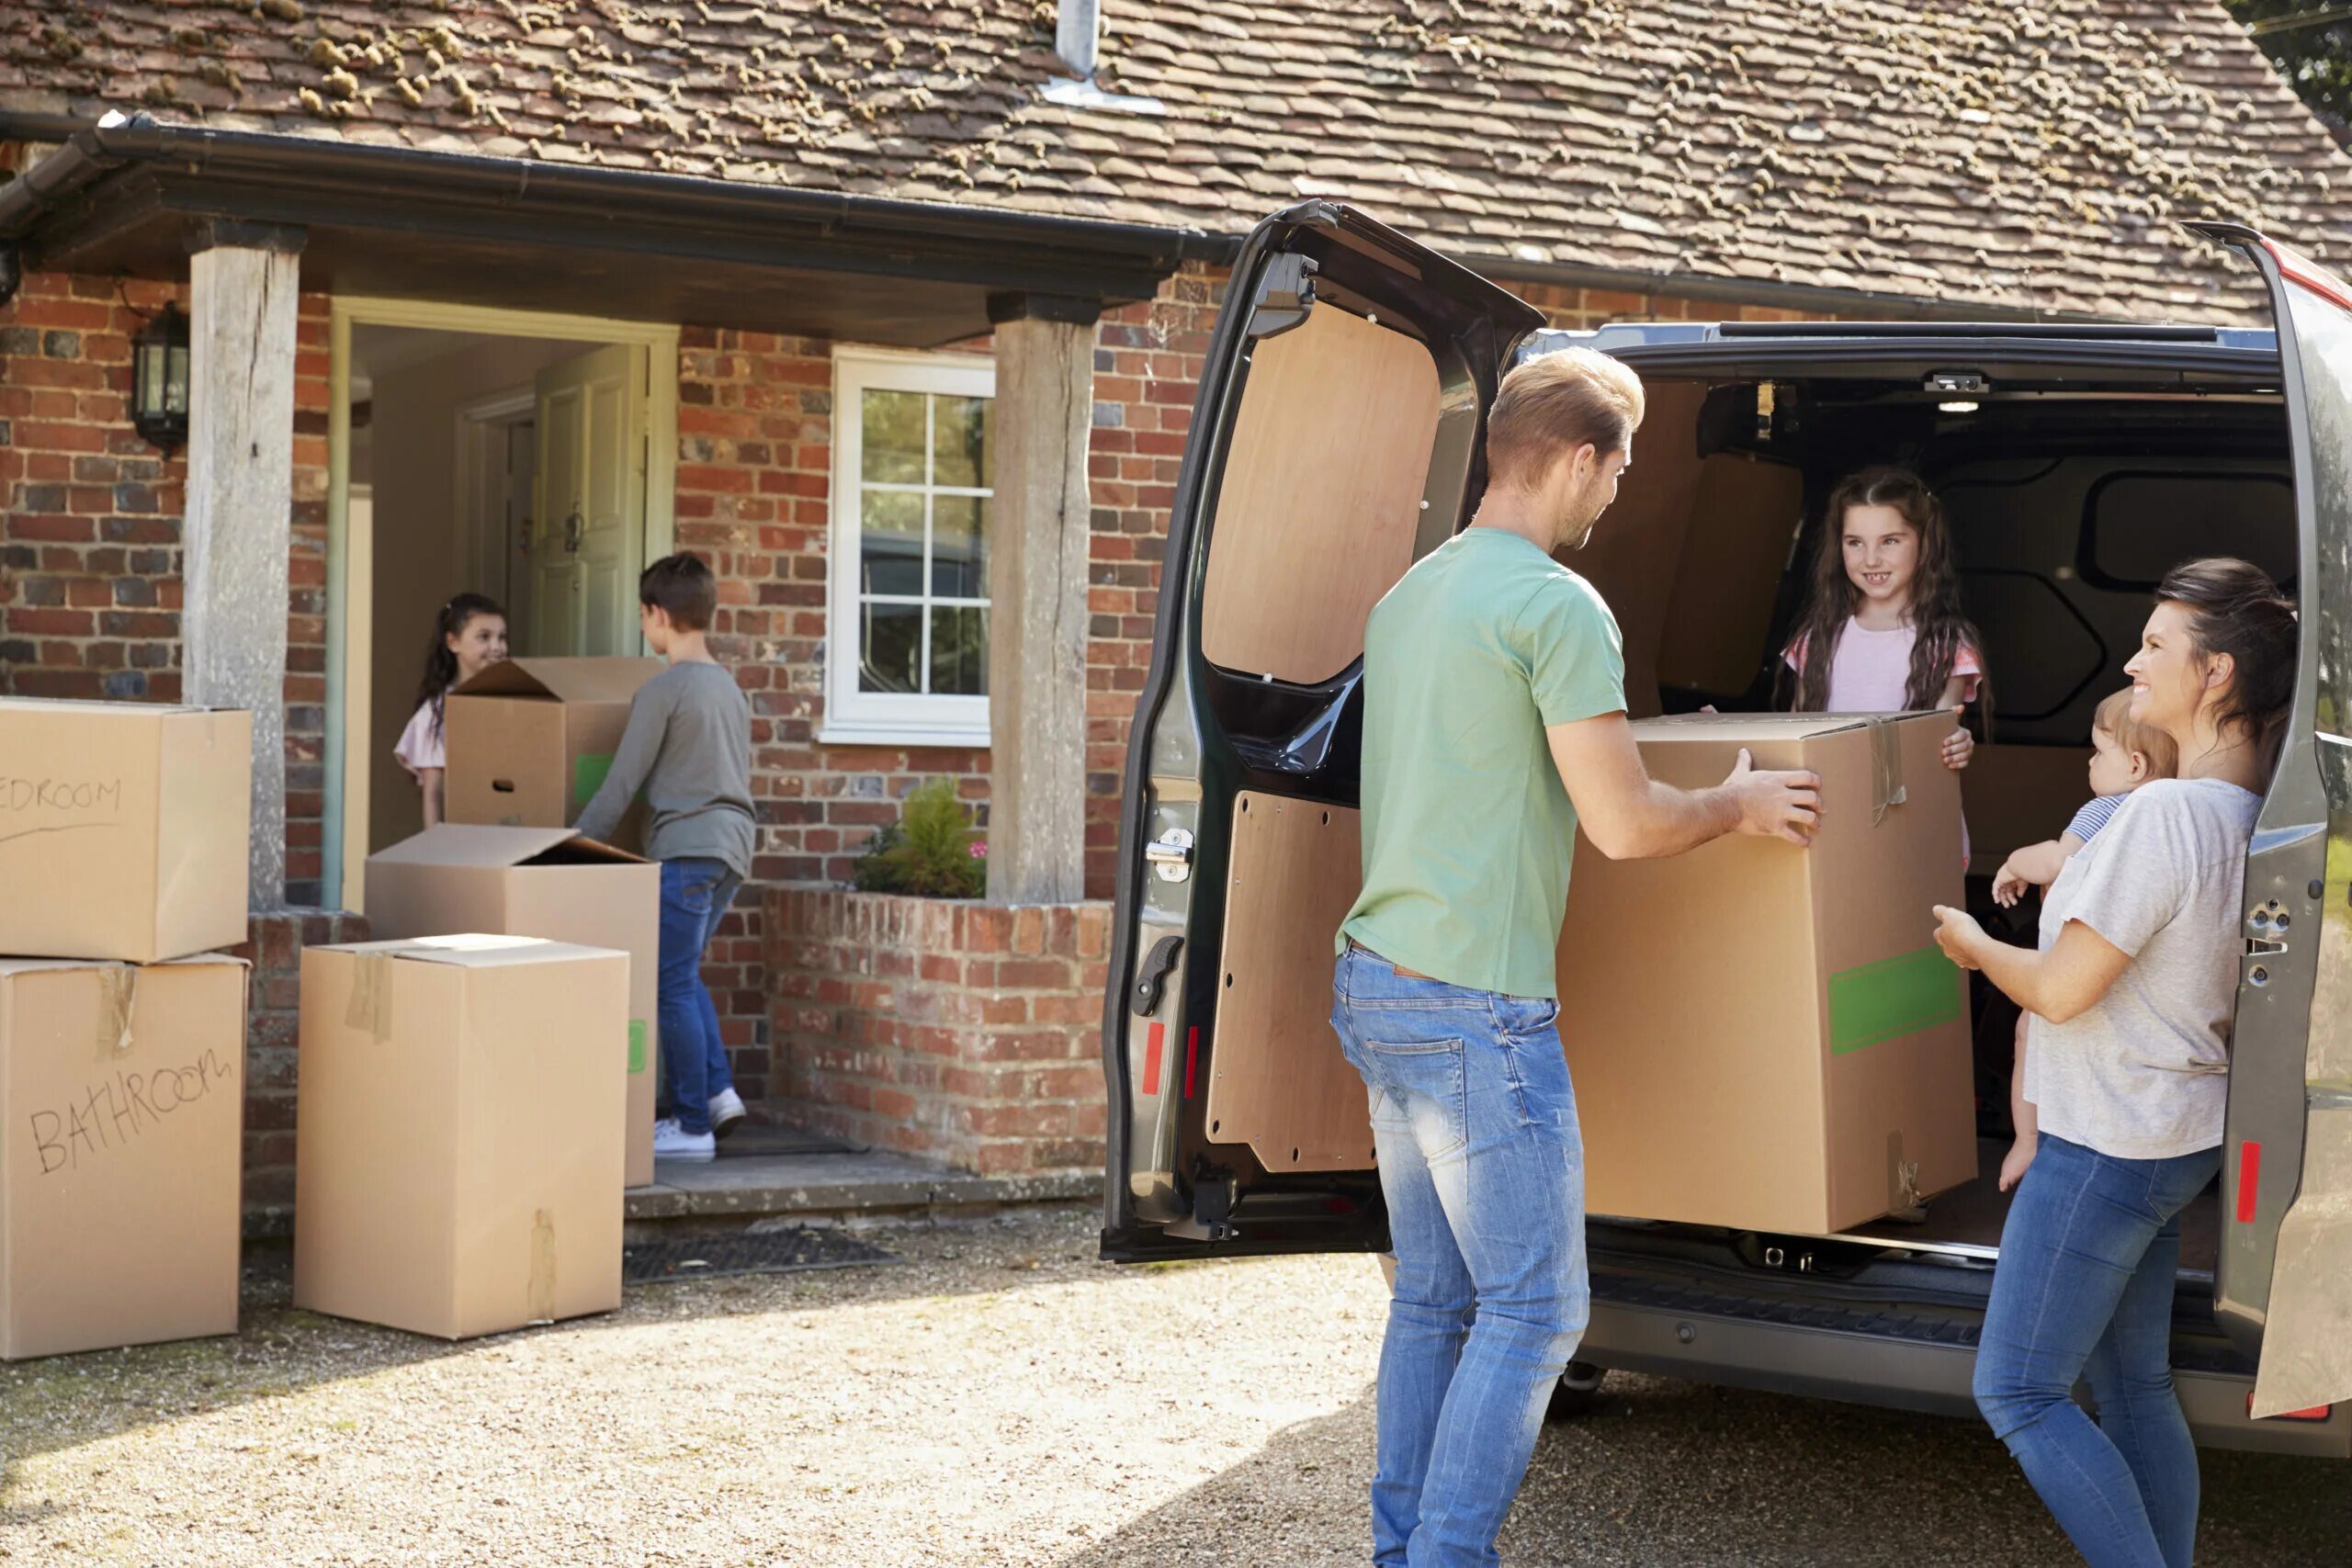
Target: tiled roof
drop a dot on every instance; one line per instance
(2028, 153)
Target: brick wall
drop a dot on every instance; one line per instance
(90, 559)
(965, 1033)
(274, 947)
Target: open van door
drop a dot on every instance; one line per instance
(2284, 1284)
(1336, 439)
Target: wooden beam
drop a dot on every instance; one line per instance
(239, 528)
(1037, 572)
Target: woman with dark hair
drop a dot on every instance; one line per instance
(2131, 995)
(468, 636)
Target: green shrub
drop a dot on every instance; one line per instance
(931, 851)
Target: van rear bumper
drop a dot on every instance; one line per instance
(1899, 1357)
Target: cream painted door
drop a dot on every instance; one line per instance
(588, 529)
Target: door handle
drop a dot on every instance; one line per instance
(574, 528)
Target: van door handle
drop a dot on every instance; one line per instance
(1170, 854)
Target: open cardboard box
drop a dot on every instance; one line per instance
(1767, 1037)
(531, 740)
(124, 829)
(121, 1119)
(542, 882)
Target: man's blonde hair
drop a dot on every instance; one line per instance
(1554, 404)
(2114, 716)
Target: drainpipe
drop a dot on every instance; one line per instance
(1078, 40)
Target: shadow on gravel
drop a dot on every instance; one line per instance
(1684, 1475)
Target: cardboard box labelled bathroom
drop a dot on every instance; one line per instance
(542, 882)
(130, 822)
(459, 1170)
(530, 740)
(122, 1120)
(1767, 1037)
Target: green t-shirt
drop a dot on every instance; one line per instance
(1468, 833)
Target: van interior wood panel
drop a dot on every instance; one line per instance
(2016, 796)
(1743, 520)
(1321, 498)
(1637, 549)
(1277, 1081)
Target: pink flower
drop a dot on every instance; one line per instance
(979, 848)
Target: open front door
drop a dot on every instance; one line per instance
(2284, 1288)
(1335, 440)
(587, 537)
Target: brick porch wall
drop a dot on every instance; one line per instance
(962, 1032)
(274, 947)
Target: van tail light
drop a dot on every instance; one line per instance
(2249, 1179)
(1155, 1042)
(2316, 1412)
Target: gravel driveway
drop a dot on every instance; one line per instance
(1000, 1398)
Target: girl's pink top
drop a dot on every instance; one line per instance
(1870, 668)
(420, 744)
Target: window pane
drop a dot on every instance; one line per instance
(890, 648)
(959, 547)
(891, 430)
(961, 451)
(890, 542)
(959, 652)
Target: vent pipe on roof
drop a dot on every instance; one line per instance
(1077, 40)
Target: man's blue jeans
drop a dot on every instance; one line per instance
(1483, 1169)
(2084, 1289)
(694, 895)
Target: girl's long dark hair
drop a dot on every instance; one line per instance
(440, 664)
(1936, 609)
(2235, 608)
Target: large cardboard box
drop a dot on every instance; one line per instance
(459, 1170)
(530, 740)
(121, 1112)
(542, 882)
(1767, 1037)
(123, 828)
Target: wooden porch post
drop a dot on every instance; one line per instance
(1037, 579)
(244, 279)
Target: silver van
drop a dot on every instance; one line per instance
(1337, 438)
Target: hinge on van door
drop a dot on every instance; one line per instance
(1211, 1203)
(1285, 295)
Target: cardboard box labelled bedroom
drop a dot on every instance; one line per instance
(123, 832)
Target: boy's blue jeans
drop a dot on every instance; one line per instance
(694, 895)
(2084, 1289)
(1483, 1169)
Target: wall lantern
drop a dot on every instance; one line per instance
(159, 379)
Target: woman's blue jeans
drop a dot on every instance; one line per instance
(2084, 1289)
(1483, 1169)
(694, 895)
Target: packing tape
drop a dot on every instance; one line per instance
(1904, 1199)
(1886, 769)
(542, 1288)
(118, 991)
(371, 996)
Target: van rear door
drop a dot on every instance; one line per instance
(2284, 1284)
(1335, 440)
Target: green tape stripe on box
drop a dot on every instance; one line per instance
(1890, 999)
(588, 775)
(637, 1045)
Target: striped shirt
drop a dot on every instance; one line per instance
(2094, 816)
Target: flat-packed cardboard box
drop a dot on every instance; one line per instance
(1767, 1037)
(121, 1115)
(123, 828)
(531, 740)
(542, 882)
(459, 1170)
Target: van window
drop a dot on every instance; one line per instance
(2142, 524)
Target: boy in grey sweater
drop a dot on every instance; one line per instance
(688, 746)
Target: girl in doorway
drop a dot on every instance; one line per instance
(1882, 629)
(468, 636)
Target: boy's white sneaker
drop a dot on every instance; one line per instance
(727, 1112)
(672, 1142)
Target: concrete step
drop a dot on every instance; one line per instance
(768, 1173)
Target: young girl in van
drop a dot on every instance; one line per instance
(2124, 755)
(1882, 629)
(468, 636)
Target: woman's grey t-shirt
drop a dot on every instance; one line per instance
(688, 746)
(2143, 1073)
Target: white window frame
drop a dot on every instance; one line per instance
(855, 717)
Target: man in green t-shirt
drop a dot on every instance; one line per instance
(1494, 724)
